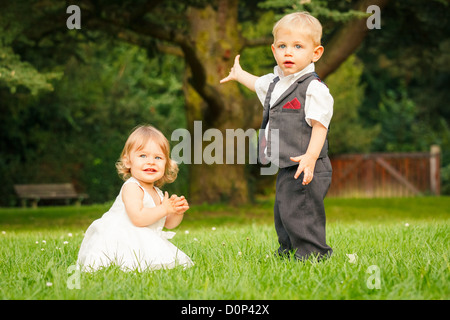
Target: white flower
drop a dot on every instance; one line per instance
(213, 228)
(353, 257)
(69, 234)
(195, 239)
(37, 242)
(44, 242)
(407, 224)
(49, 284)
(3, 232)
(65, 242)
(240, 253)
(186, 232)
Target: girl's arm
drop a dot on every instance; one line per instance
(132, 196)
(238, 74)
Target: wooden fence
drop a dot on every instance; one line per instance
(386, 174)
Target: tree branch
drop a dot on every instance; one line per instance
(141, 31)
(346, 41)
(146, 42)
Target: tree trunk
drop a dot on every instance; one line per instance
(215, 41)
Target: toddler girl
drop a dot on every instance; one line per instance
(131, 234)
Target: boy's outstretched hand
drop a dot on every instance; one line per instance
(235, 70)
(240, 75)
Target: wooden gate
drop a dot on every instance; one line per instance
(386, 174)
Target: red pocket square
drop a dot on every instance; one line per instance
(294, 104)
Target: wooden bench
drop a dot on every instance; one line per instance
(36, 192)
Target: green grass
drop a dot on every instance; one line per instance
(405, 239)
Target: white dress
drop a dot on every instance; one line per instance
(115, 240)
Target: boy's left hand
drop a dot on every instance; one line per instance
(307, 163)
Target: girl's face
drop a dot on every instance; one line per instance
(147, 165)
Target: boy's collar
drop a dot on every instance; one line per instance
(309, 68)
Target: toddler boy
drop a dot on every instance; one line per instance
(298, 107)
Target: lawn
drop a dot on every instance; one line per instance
(383, 249)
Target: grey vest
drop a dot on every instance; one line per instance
(289, 133)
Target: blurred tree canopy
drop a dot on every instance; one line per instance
(69, 98)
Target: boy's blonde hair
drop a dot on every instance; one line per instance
(136, 141)
(302, 21)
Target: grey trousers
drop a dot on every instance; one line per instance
(299, 212)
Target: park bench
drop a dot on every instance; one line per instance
(36, 192)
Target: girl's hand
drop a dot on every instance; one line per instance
(174, 204)
(168, 204)
(180, 204)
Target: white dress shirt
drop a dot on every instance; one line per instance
(318, 102)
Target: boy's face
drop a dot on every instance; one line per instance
(294, 50)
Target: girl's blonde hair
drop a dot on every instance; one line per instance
(136, 141)
(302, 21)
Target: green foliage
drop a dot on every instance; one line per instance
(406, 71)
(77, 132)
(258, 60)
(14, 72)
(347, 132)
(399, 129)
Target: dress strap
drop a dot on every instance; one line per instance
(158, 191)
(131, 179)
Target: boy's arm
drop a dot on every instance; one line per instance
(307, 162)
(240, 75)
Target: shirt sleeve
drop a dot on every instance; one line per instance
(318, 103)
(262, 86)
